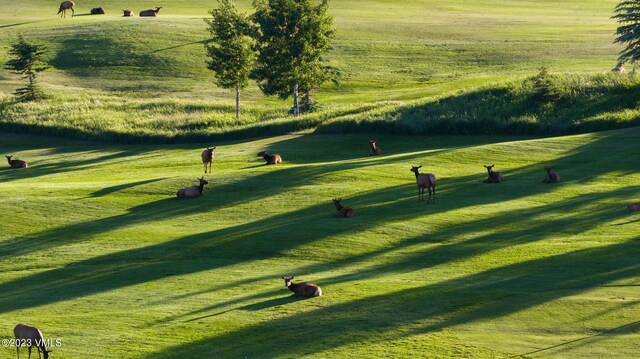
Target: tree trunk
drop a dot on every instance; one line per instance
(296, 108)
(237, 103)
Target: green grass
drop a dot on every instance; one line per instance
(96, 251)
(151, 73)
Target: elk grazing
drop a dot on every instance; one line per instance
(633, 207)
(30, 336)
(425, 180)
(16, 163)
(551, 177)
(66, 5)
(271, 159)
(304, 289)
(375, 150)
(152, 13)
(494, 177)
(193, 191)
(207, 157)
(97, 11)
(343, 211)
(127, 13)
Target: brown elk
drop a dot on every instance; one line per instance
(153, 13)
(127, 13)
(551, 177)
(207, 157)
(619, 69)
(494, 177)
(16, 163)
(343, 211)
(271, 159)
(304, 289)
(97, 11)
(193, 191)
(66, 5)
(425, 180)
(30, 336)
(633, 207)
(375, 150)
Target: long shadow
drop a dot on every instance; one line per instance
(489, 294)
(109, 190)
(22, 23)
(203, 42)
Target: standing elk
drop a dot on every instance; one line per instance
(375, 150)
(551, 177)
(425, 180)
(494, 177)
(66, 5)
(193, 191)
(30, 336)
(343, 211)
(152, 13)
(304, 289)
(207, 157)
(16, 163)
(271, 159)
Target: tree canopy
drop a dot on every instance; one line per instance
(628, 16)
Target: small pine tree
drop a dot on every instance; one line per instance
(544, 90)
(230, 54)
(27, 61)
(628, 16)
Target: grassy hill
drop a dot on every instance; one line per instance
(96, 250)
(116, 76)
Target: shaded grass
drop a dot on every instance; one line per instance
(117, 263)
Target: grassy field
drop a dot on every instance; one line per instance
(121, 76)
(96, 251)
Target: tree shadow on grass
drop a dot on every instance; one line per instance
(109, 190)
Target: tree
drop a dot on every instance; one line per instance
(27, 61)
(292, 36)
(230, 54)
(628, 16)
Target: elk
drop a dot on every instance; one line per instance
(127, 13)
(375, 150)
(425, 180)
(16, 163)
(153, 13)
(207, 158)
(633, 207)
(30, 336)
(343, 211)
(97, 11)
(551, 177)
(193, 191)
(494, 177)
(64, 6)
(304, 289)
(271, 159)
(618, 69)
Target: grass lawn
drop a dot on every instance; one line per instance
(96, 251)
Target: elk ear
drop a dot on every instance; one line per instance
(292, 277)
(214, 147)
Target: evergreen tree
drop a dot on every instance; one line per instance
(230, 54)
(292, 36)
(27, 61)
(628, 16)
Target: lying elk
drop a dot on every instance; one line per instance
(494, 177)
(66, 5)
(425, 180)
(619, 69)
(30, 336)
(153, 13)
(271, 159)
(16, 163)
(375, 150)
(193, 191)
(304, 289)
(343, 211)
(551, 177)
(97, 11)
(127, 13)
(633, 207)
(207, 157)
